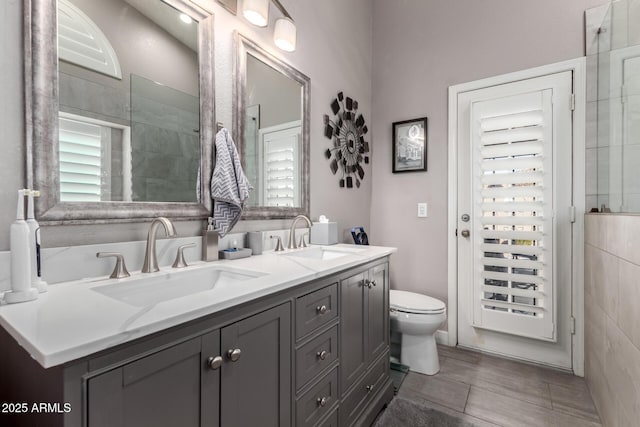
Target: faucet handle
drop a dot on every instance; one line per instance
(303, 243)
(120, 270)
(279, 247)
(180, 261)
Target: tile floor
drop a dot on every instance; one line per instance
(491, 391)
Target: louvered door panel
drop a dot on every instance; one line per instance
(513, 276)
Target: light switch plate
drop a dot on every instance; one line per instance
(422, 210)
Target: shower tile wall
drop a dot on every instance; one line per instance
(612, 318)
(165, 143)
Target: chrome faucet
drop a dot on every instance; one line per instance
(292, 230)
(150, 257)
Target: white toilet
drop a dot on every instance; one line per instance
(417, 317)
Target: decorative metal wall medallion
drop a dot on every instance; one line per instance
(349, 149)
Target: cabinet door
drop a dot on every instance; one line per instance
(256, 388)
(378, 312)
(353, 313)
(163, 389)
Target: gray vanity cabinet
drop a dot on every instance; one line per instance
(173, 387)
(182, 386)
(364, 344)
(256, 389)
(314, 355)
(364, 321)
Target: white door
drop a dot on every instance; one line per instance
(280, 170)
(514, 219)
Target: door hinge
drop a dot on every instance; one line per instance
(572, 214)
(573, 325)
(456, 232)
(573, 102)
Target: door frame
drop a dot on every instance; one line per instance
(578, 67)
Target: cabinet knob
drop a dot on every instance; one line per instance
(369, 388)
(321, 309)
(373, 283)
(234, 354)
(214, 362)
(322, 401)
(322, 354)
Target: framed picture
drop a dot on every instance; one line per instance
(410, 145)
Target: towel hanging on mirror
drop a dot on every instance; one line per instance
(229, 185)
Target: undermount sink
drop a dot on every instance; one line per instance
(149, 290)
(323, 252)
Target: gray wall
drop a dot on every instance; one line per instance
(278, 96)
(421, 47)
(11, 114)
(331, 64)
(612, 319)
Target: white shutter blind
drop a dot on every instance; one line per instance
(281, 164)
(80, 161)
(513, 215)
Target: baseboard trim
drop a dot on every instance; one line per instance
(442, 337)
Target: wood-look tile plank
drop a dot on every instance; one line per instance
(518, 369)
(491, 379)
(573, 402)
(447, 393)
(477, 422)
(459, 354)
(505, 411)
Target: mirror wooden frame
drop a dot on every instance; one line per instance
(244, 47)
(41, 125)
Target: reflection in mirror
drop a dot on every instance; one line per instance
(273, 136)
(129, 106)
(119, 109)
(271, 115)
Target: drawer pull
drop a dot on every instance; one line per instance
(322, 401)
(234, 354)
(369, 388)
(214, 362)
(321, 309)
(322, 354)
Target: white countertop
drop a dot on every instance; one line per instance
(72, 321)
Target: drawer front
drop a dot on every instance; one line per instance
(331, 420)
(318, 401)
(315, 356)
(316, 309)
(358, 399)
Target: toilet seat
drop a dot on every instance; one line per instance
(411, 302)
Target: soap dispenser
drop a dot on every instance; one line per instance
(21, 289)
(34, 237)
(209, 242)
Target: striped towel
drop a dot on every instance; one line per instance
(229, 185)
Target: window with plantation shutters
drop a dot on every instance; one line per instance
(80, 161)
(513, 274)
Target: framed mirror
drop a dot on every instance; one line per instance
(271, 123)
(119, 108)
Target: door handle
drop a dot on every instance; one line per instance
(465, 233)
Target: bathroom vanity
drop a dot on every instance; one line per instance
(301, 340)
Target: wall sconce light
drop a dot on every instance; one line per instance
(256, 12)
(284, 33)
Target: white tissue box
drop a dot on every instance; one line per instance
(324, 233)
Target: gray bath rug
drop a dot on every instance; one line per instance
(404, 413)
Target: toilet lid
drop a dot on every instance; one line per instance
(412, 302)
